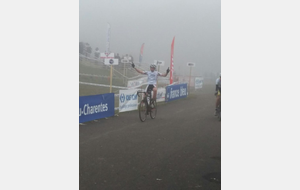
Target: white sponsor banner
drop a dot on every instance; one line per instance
(198, 82)
(128, 100)
(161, 95)
(137, 82)
(190, 64)
(107, 55)
(124, 61)
(111, 61)
(159, 62)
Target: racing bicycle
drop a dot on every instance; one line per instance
(147, 106)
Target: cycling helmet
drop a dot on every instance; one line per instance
(153, 65)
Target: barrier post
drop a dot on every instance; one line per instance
(110, 79)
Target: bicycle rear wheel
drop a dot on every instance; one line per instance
(153, 109)
(142, 111)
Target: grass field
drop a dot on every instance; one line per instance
(92, 68)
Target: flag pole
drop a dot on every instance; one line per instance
(110, 90)
(172, 63)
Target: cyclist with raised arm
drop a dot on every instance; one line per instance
(218, 93)
(152, 78)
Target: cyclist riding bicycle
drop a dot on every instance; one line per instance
(218, 93)
(152, 78)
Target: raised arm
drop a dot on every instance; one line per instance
(139, 71)
(166, 74)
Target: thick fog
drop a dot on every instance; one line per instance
(196, 25)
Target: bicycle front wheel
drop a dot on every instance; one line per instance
(142, 111)
(153, 110)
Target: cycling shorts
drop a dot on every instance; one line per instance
(150, 87)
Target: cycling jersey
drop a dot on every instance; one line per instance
(152, 76)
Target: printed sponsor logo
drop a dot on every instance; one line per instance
(183, 91)
(174, 93)
(198, 81)
(88, 110)
(131, 97)
(122, 98)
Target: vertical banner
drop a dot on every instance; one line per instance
(141, 54)
(108, 39)
(174, 92)
(198, 82)
(128, 100)
(96, 107)
(172, 62)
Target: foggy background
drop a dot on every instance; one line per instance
(196, 25)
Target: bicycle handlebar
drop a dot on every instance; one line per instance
(140, 92)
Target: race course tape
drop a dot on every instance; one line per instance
(103, 76)
(103, 85)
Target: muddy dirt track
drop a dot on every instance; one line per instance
(179, 149)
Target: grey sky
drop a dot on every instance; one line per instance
(196, 25)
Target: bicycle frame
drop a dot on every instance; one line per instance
(147, 95)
